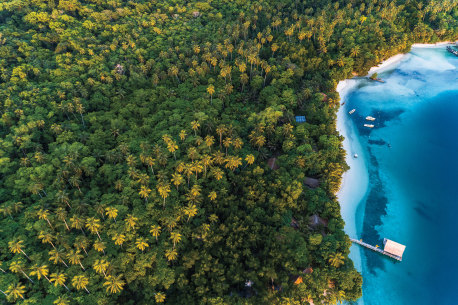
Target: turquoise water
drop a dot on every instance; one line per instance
(412, 198)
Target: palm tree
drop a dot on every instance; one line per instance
(59, 279)
(151, 162)
(175, 237)
(16, 246)
(55, 256)
(141, 243)
(174, 71)
(75, 258)
(17, 206)
(207, 161)
(7, 210)
(99, 246)
(40, 271)
(159, 297)
(195, 125)
(46, 238)
(81, 242)
(164, 190)
(80, 282)
(172, 147)
(43, 214)
(62, 215)
(62, 300)
(249, 159)
(227, 142)
(212, 195)
(114, 284)
(336, 260)
(218, 174)
(100, 208)
(62, 196)
(131, 221)
(209, 141)
(144, 192)
(188, 171)
(340, 62)
(16, 291)
(211, 90)
(18, 266)
(77, 223)
(190, 211)
(93, 224)
(111, 213)
(171, 254)
(220, 130)
(101, 266)
(75, 182)
(233, 162)
(155, 231)
(354, 51)
(177, 179)
(238, 143)
(119, 239)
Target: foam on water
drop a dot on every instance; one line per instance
(427, 60)
(412, 162)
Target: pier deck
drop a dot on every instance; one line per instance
(376, 249)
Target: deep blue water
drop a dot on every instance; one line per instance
(412, 198)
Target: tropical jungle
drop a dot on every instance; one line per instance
(183, 151)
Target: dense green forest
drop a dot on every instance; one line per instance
(149, 151)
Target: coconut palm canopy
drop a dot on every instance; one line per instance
(135, 138)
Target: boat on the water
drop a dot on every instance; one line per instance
(352, 111)
(355, 156)
(369, 125)
(369, 118)
(452, 50)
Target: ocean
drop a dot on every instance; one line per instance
(411, 156)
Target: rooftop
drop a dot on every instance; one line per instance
(300, 119)
(394, 247)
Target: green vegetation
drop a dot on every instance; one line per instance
(135, 136)
(374, 76)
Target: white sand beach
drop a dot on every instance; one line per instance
(356, 179)
(431, 45)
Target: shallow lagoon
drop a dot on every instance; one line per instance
(411, 157)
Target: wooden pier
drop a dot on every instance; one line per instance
(399, 258)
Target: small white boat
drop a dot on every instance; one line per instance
(351, 111)
(369, 118)
(369, 125)
(355, 156)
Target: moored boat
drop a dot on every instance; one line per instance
(369, 118)
(352, 111)
(369, 125)
(451, 50)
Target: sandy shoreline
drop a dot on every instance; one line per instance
(431, 45)
(355, 180)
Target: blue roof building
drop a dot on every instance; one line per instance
(300, 119)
